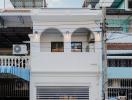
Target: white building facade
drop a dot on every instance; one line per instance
(65, 55)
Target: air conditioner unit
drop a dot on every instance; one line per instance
(122, 98)
(20, 49)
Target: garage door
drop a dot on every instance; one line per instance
(62, 93)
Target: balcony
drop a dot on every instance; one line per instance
(56, 51)
(16, 65)
(120, 72)
(65, 62)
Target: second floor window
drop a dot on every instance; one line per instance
(130, 4)
(76, 46)
(57, 47)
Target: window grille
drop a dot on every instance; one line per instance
(120, 88)
(13, 87)
(119, 63)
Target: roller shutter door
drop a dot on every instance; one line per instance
(62, 93)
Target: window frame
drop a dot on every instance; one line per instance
(129, 4)
(59, 48)
(73, 49)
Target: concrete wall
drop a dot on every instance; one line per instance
(65, 62)
(46, 39)
(66, 79)
(65, 68)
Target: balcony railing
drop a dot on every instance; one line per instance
(15, 65)
(16, 61)
(65, 62)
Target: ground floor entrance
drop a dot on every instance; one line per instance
(64, 86)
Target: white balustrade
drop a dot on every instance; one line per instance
(17, 61)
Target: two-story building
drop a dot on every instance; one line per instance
(119, 45)
(65, 54)
(119, 67)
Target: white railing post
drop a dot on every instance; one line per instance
(22, 62)
(16, 61)
(11, 62)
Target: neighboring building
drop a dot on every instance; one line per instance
(122, 4)
(14, 67)
(119, 66)
(119, 50)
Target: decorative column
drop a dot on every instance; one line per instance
(34, 43)
(67, 42)
(97, 41)
(98, 50)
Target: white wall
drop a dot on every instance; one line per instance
(82, 37)
(46, 39)
(65, 62)
(66, 79)
(65, 68)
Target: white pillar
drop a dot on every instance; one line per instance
(34, 43)
(67, 42)
(97, 43)
(98, 50)
(34, 48)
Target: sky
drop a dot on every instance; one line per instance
(7, 4)
(65, 3)
(55, 3)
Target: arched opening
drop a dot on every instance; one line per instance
(82, 40)
(52, 40)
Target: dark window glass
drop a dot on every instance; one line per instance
(119, 62)
(76, 46)
(130, 4)
(57, 47)
(109, 83)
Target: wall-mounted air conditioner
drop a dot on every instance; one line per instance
(20, 49)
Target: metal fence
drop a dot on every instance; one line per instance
(17, 61)
(13, 87)
(120, 89)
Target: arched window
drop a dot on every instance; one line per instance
(82, 40)
(52, 40)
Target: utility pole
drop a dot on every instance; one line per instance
(4, 4)
(104, 56)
